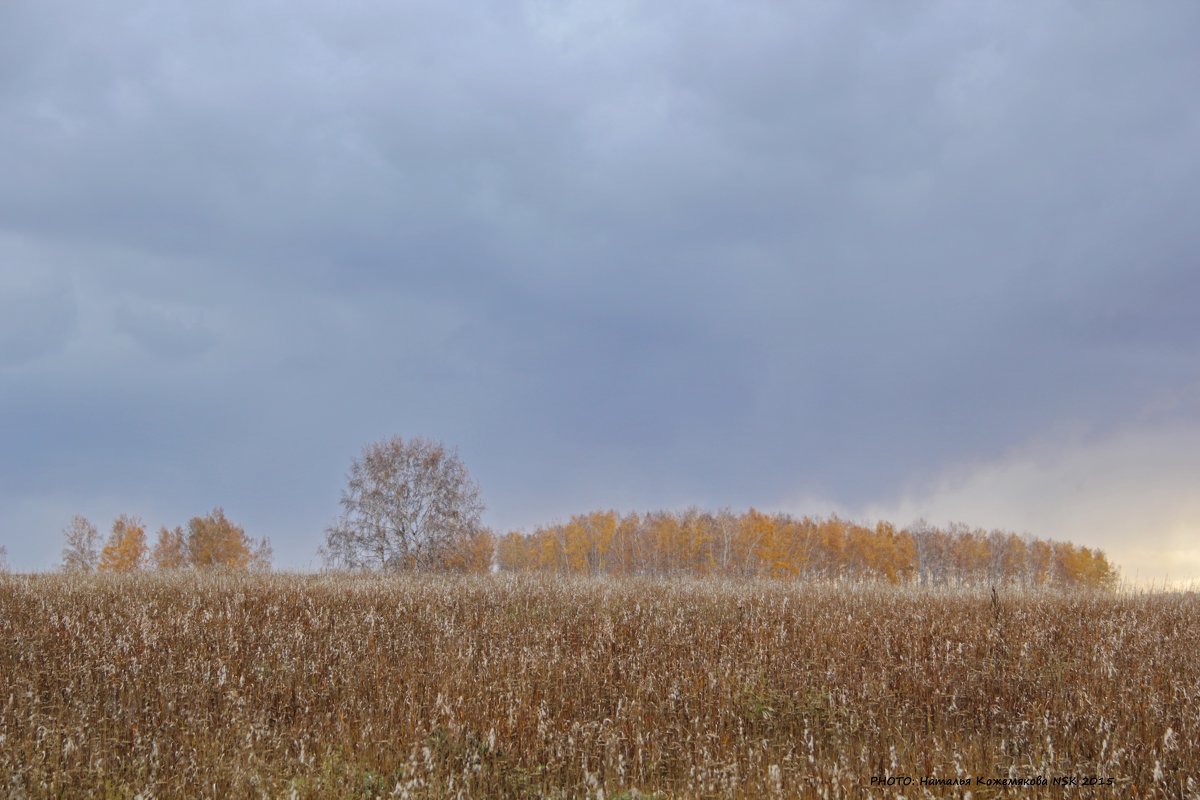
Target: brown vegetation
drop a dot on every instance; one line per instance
(221, 685)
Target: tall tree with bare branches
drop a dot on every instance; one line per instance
(407, 505)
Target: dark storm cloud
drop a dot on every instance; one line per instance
(724, 253)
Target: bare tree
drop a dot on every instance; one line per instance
(261, 556)
(3, 559)
(407, 505)
(80, 546)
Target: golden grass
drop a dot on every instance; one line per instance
(492, 686)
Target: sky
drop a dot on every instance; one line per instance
(891, 260)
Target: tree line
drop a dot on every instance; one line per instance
(211, 541)
(756, 544)
(411, 505)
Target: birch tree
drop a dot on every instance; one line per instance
(125, 550)
(80, 543)
(407, 505)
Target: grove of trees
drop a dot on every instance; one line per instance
(211, 542)
(779, 545)
(411, 505)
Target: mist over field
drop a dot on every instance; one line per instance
(895, 262)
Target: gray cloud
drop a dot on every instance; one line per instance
(163, 333)
(622, 254)
(37, 313)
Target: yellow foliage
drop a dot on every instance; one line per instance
(755, 544)
(125, 550)
(474, 555)
(215, 542)
(169, 552)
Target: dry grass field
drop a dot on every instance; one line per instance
(492, 686)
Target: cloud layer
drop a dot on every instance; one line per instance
(620, 254)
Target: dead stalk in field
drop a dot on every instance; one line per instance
(336, 686)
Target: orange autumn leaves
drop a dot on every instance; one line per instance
(693, 542)
(210, 542)
(125, 549)
(755, 544)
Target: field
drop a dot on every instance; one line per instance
(493, 686)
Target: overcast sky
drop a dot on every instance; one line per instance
(900, 260)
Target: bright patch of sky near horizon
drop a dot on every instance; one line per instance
(936, 259)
